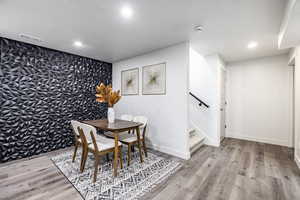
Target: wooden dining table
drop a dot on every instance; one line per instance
(116, 128)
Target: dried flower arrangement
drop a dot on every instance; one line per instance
(105, 94)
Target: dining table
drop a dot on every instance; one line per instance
(116, 128)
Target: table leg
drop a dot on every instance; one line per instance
(116, 155)
(139, 142)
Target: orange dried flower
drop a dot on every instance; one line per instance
(105, 94)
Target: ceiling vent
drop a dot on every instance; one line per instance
(198, 28)
(30, 37)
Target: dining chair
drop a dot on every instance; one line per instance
(78, 142)
(131, 139)
(123, 117)
(98, 146)
(74, 125)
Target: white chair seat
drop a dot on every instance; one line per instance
(128, 138)
(104, 143)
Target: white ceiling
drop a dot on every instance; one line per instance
(228, 26)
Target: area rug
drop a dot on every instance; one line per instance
(132, 182)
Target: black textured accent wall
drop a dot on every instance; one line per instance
(41, 91)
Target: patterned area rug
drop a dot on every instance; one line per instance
(131, 183)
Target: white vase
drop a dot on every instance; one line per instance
(111, 115)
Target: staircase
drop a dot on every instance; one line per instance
(196, 140)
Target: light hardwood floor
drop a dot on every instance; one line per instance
(238, 170)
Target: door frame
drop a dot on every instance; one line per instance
(222, 104)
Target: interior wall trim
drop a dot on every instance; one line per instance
(263, 140)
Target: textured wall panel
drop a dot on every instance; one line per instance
(41, 91)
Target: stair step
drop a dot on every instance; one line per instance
(196, 147)
(195, 142)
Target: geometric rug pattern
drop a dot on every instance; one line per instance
(131, 183)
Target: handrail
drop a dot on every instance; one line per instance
(201, 102)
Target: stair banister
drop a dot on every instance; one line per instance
(200, 101)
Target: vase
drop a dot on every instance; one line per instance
(111, 115)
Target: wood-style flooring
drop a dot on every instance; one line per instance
(238, 170)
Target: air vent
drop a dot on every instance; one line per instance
(30, 37)
(198, 28)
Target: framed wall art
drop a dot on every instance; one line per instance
(154, 79)
(130, 82)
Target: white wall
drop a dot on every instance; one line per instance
(259, 96)
(168, 114)
(297, 106)
(204, 83)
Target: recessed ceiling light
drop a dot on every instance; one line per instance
(252, 45)
(126, 12)
(198, 28)
(78, 44)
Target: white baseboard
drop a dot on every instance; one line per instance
(297, 160)
(170, 151)
(211, 142)
(263, 140)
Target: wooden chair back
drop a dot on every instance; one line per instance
(74, 126)
(88, 135)
(82, 137)
(86, 130)
(144, 121)
(94, 141)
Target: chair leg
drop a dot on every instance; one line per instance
(82, 160)
(107, 157)
(129, 154)
(145, 148)
(96, 168)
(75, 151)
(121, 157)
(132, 148)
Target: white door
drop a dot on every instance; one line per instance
(223, 104)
